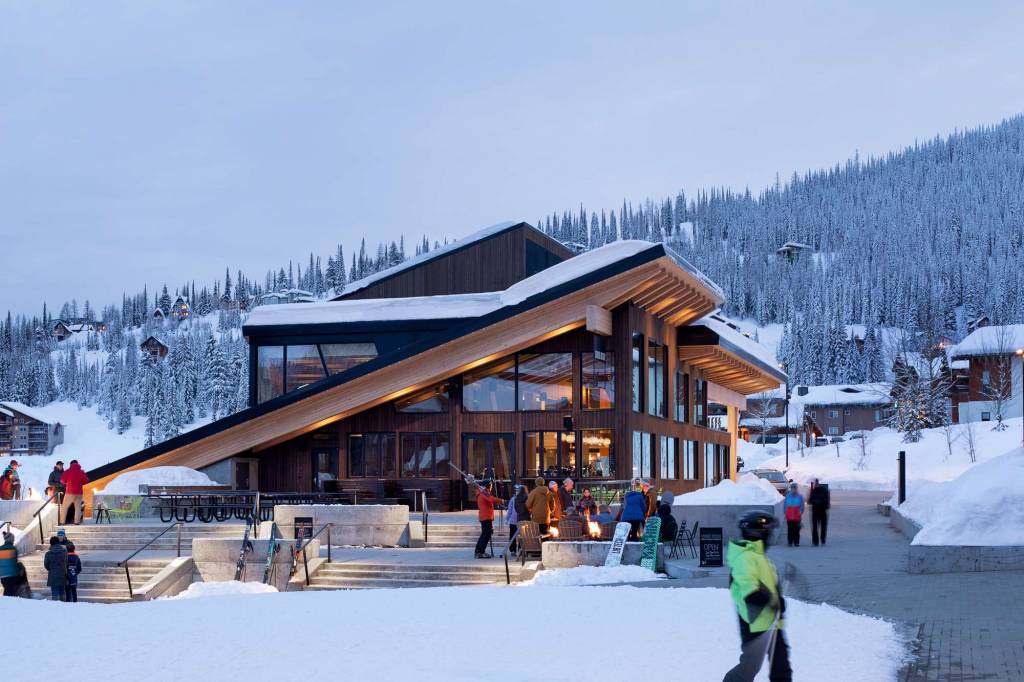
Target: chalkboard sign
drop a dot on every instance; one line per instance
(303, 527)
(711, 547)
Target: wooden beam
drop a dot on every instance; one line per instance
(599, 320)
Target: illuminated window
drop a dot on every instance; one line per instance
(597, 453)
(303, 367)
(551, 454)
(545, 381)
(342, 356)
(269, 372)
(598, 380)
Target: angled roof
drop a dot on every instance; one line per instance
(728, 357)
(533, 309)
(28, 412)
(992, 340)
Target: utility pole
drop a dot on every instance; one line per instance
(1020, 354)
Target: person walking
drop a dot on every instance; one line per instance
(794, 511)
(512, 516)
(522, 513)
(820, 501)
(760, 606)
(74, 569)
(634, 510)
(12, 469)
(8, 564)
(54, 484)
(485, 501)
(55, 561)
(73, 480)
(540, 504)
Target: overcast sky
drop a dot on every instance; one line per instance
(143, 143)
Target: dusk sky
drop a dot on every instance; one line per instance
(144, 143)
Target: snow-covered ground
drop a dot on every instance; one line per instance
(438, 635)
(86, 438)
(849, 466)
(982, 506)
(748, 489)
(592, 575)
(223, 589)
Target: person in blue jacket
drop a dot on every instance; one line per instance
(74, 569)
(634, 510)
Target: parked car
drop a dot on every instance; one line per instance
(835, 439)
(820, 440)
(776, 478)
(855, 435)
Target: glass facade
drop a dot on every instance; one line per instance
(643, 455)
(303, 367)
(700, 402)
(669, 458)
(281, 369)
(637, 372)
(551, 454)
(491, 388)
(545, 381)
(339, 357)
(709, 465)
(432, 400)
(425, 455)
(371, 455)
(689, 456)
(598, 453)
(656, 379)
(682, 401)
(598, 380)
(269, 372)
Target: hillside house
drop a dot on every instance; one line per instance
(993, 375)
(154, 348)
(25, 431)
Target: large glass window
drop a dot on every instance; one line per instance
(598, 380)
(682, 406)
(637, 372)
(371, 455)
(597, 454)
(342, 356)
(491, 388)
(269, 372)
(303, 368)
(689, 460)
(668, 458)
(700, 402)
(643, 455)
(656, 379)
(551, 454)
(425, 455)
(709, 465)
(433, 399)
(545, 381)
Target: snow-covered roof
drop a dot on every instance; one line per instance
(725, 330)
(453, 306)
(992, 340)
(27, 411)
(793, 246)
(7, 412)
(820, 396)
(408, 263)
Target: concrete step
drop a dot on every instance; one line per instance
(380, 583)
(419, 568)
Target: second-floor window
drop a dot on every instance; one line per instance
(598, 380)
(656, 379)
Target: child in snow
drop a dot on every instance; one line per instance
(74, 569)
(794, 507)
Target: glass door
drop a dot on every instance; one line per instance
(489, 456)
(325, 469)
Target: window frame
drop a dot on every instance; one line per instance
(682, 382)
(580, 454)
(378, 437)
(668, 461)
(657, 378)
(434, 441)
(643, 438)
(609, 362)
(691, 461)
(637, 373)
(560, 450)
(572, 389)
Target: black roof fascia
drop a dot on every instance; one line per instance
(360, 327)
(653, 253)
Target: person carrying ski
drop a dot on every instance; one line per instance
(74, 569)
(794, 510)
(820, 501)
(760, 606)
(485, 501)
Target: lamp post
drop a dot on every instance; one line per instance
(1020, 354)
(785, 428)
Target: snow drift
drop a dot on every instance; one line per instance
(748, 489)
(128, 483)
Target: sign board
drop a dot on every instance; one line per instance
(711, 550)
(303, 527)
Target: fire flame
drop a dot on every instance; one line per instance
(553, 532)
(595, 528)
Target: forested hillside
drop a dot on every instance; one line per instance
(923, 241)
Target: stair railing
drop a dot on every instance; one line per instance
(42, 539)
(124, 562)
(426, 516)
(302, 548)
(511, 538)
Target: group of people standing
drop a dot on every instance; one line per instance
(61, 563)
(794, 506)
(10, 482)
(68, 485)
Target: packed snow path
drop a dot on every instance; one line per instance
(969, 625)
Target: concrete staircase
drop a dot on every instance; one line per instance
(462, 536)
(365, 575)
(128, 537)
(101, 581)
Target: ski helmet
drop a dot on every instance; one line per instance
(757, 525)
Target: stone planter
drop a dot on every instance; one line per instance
(572, 553)
(726, 517)
(363, 525)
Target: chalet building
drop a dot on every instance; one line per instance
(24, 431)
(505, 356)
(154, 348)
(64, 329)
(792, 250)
(180, 309)
(991, 381)
(158, 314)
(816, 412)
(288, 296)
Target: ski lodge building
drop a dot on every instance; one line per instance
(503, 354)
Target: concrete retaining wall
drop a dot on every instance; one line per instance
(954, 558)
(363, 525)
(569, 554)
(903, 524)
(215, 560)
(171, 580)
(725, 516)
(18, 512)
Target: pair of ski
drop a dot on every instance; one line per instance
(649, 553)
(272, 549)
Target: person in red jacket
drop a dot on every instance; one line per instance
(73, 480)
(485, 501)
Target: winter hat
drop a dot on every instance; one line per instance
(552, 484)
(61, 534)
(539, 482)
(668, 497)
(8, 537)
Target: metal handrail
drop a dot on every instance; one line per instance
(5, 523)
(305, 559)
(124, 562)
(39, 511)
(508, 576)
(256, 513)
(426, 517)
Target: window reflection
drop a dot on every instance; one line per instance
(545, 381)
(597, 460)
(342, 356)
(491, 388)
(598, 380)
(551, 454)
(269, 372)
(304, 367)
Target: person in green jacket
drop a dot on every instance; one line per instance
(754, 586)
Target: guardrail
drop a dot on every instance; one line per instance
(426, 517)
(305, 560)
(124, 562)
(42, 539)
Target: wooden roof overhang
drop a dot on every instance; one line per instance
(654, 278)
(731, 368)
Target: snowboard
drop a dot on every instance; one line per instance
(652, 534)
(614, 557)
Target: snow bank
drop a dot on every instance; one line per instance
(749, 489)
(593, 575)
(983, 506)
(360, 629)
(128, 483)
(221, 589)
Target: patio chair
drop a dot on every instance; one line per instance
(570, 529)
(680, 543)
(689, 537)
(608, 529)
(529, 540)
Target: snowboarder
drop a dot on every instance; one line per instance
(794, 510)
(820, 501)
(485, 501)
(760, 606)
(74, 569)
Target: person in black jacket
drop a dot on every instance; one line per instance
(669, 527)
(53, 482)
(820, 501)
